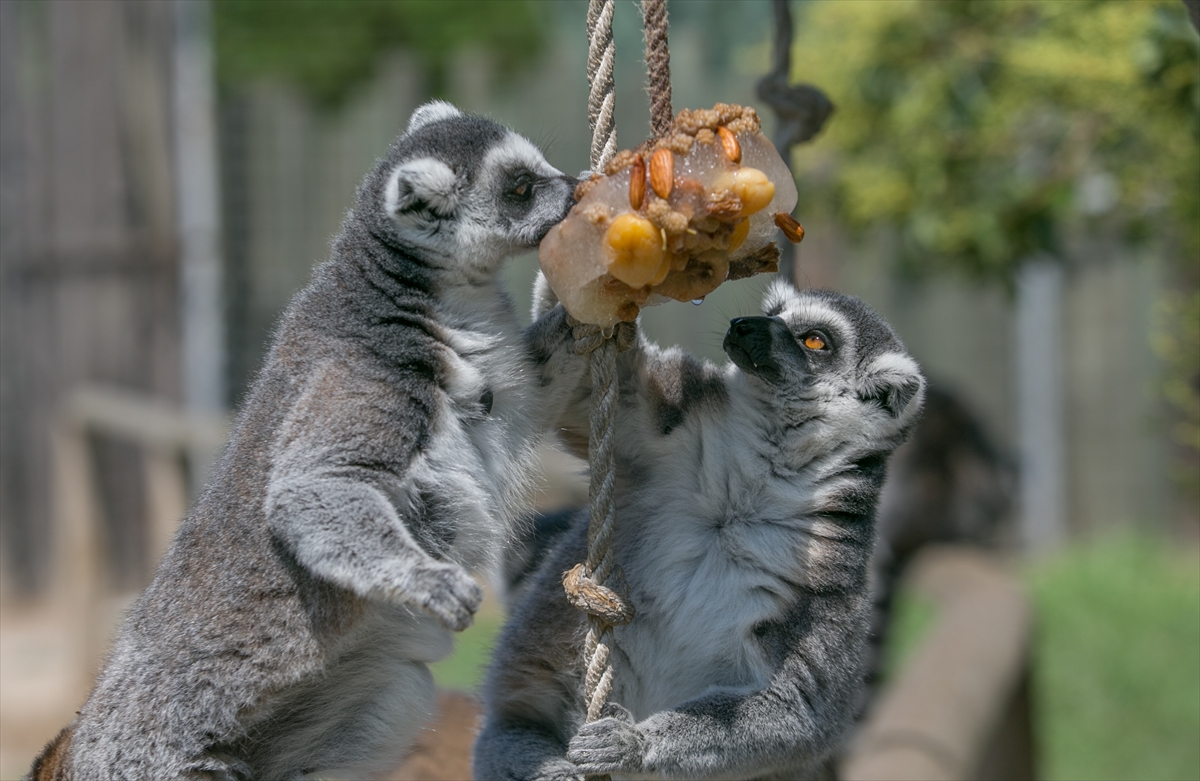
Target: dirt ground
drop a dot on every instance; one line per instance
(38, 692)
(443, 752)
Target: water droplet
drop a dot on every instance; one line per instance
(607, 333)
(697, 301)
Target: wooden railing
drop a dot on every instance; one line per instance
(959, 708)
(166, 435)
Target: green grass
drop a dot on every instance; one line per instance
(463, 670)
(1117, 661)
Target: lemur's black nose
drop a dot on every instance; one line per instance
(748, 344)
(744, 327)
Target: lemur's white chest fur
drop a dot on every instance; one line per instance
(722, 540)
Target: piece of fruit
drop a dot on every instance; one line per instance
(634, 250)
(753, 189)
(740, 232)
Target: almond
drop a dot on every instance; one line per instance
(729, 142)
(792, 229)
(637, 183)
(662, 172)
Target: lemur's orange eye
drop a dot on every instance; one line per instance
(814, 342)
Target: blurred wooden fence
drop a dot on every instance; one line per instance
(88, 251)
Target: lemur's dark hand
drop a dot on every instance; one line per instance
(613, 744)
(447, 592)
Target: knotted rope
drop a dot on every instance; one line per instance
(588, 585)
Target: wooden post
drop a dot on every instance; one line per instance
(162, 433)
(78, 557)
(964, 692)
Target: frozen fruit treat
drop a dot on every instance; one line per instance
(673, 219)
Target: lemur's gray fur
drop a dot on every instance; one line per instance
(382, 452)
(745, 520)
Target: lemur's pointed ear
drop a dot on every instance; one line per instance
(417, 185)
(894, 381)
(433, 111)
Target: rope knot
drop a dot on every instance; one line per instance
(589, 338)
(595, 599)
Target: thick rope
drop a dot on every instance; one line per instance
(598, 680)
(601, 93)
(781, 70)
(658, 66)
(587, 585)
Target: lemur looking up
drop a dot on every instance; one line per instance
(381, 454)
(745, 521)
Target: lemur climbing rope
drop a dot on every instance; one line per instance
(586, 584)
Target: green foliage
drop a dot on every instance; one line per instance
(1117, 662)
(985, 132)
(330, 46)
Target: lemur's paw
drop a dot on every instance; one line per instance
(448, 593)
(613, 744)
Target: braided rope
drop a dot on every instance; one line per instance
(658, 65)
(602, 364)
(586, 585)
(601, 91)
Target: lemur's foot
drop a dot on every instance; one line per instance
(448, 593)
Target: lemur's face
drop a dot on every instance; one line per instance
(825, 356)
(468, 191)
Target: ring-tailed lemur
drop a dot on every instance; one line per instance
(745, 520)
(382, 452)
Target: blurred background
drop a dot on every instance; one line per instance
(1014, 185)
